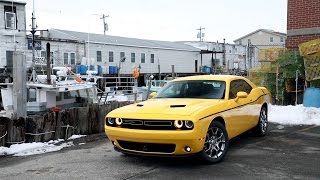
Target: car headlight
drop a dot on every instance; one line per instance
(178, 124)
(118, 121)
(111, 121)
(188, 124)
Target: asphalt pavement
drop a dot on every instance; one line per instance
(287, 152)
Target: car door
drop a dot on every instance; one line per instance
(239, 113)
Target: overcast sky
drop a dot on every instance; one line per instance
(169, 20)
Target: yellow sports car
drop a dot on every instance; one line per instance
(191, 115)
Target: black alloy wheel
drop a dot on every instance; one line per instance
(216, 143)
(262, 127)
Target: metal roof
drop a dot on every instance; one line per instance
(57, 34)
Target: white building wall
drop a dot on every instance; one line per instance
(262, 38)
(183, 61)
(235, 55)
(10, 39)
(59, 48)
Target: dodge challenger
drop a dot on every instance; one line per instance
(195, 115)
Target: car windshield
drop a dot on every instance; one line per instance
(200, 89)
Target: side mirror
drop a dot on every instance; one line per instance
(152, 94)
(241, 94)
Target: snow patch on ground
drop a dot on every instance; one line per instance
(294, 115)
(76, 137)
(27, 149)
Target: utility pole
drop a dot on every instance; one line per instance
(33, 32)
(224, 55)
(200, 34)
(105, 25)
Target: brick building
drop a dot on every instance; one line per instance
(303, 23)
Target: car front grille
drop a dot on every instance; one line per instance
(148, 124)
(147, 147)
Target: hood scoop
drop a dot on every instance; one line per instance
(140, 105)
(177, 106)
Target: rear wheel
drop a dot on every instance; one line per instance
(216, 143)
(262, 127)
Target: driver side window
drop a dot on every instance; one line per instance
(237, 86)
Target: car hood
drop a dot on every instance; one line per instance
(168, 106)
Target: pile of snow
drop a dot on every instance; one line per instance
(26, 149)
(294, 115)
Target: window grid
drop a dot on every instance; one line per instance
(152, 58)
(110, 56)
(143, 58)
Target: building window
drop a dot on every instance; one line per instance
(10, 17)
(69, 58)
(122, 56)
(99, 56)
(230, 51)
(281, 39)
(143, 58)
(152, 58)
(10, 20)
(249, 41)
(110, 56)
(271, 39)
(240, 42)
(133, 57)
(73, 58)
(65, 58)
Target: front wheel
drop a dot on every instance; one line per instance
(216, 143)
(261, 128)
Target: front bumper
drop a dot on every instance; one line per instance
(179, 138)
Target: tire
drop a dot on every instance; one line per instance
(262, 126)
(216, 144)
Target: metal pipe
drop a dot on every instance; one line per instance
(297, 73)
(48, 64)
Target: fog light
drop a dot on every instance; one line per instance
(178, 124)
(118, 121)
(187, 149)
(188, 124)
(111, 121)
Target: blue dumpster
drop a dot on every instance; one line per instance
(311, 97)
(82, 69)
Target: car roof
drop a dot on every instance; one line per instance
(210, 77)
